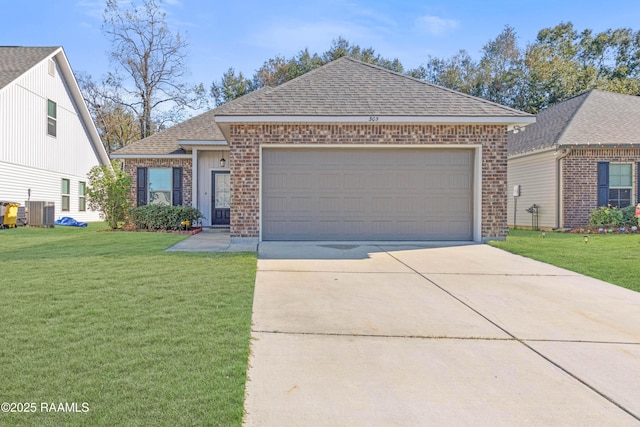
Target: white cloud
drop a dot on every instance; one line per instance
(436, 25)
(91, 8)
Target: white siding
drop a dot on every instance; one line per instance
(536, 175)
(46, 186)
(208, 161)
(31, 159)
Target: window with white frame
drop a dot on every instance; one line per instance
(52, 118)
(620, 184)
(82, 197)
(66, 190)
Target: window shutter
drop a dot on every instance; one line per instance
(177, 186)
(603, 183)
(141, 187)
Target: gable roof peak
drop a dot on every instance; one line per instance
(17, 60)
(593, 118)
(347, 87)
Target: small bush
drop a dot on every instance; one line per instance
(629, 216)
(606, 216)
(156, 217)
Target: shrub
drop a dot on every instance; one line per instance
(108, 192)
(629, 216)
(606, 216)
(156, 217)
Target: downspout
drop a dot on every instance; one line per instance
(567, 151)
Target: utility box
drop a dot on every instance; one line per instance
(516, 191)
(40, 214)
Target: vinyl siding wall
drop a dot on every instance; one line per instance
(29, 158)
(46, 186)
(536, 175)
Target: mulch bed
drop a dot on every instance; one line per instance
(192, 231)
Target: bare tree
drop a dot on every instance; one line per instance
(148, 64)
(116, 124)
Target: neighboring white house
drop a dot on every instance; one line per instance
(48, 141)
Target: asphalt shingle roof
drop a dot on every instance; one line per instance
(593, 118)
(344, 87)
(16, 60)
(347, 87)
(198, 128)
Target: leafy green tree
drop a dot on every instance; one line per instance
(563, 63)
(273, 72)
(342, 47)
(230, 87)
(278, 70)
(459, 72)
(501, 70)
(559, 64)
(108, 192)
(554, 72)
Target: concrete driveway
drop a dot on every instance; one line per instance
(357, 335)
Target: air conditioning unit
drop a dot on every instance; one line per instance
(40, 214)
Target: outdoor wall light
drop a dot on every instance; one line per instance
(586, 238)
(222, 162)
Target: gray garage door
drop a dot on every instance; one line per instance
(367, 194)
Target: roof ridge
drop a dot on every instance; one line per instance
(476, 98)
(573, 114)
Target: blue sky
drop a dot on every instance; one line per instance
(243, 34)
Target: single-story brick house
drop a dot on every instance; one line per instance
(349, 151)
(580, 154)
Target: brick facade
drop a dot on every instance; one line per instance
(131, 166)
(580, 180)
(246, 139)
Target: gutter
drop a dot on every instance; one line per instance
(559, 203)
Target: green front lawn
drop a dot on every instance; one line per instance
(141, 336)
(613, 258)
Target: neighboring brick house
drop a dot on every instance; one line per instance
(580, 154)
(349, 151)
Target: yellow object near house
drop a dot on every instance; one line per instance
(11, 215)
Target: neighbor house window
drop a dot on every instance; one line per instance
(615, 184)
(65, 194)
(52, 118)
(160, 187)
(620, 184)
(82, 198)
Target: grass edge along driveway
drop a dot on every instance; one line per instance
(614, 258)
(119, 331)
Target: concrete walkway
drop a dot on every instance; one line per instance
(212, 240)
(355, 335)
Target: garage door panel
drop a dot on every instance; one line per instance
(329, 181)
(367, 194)
(353, 181)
